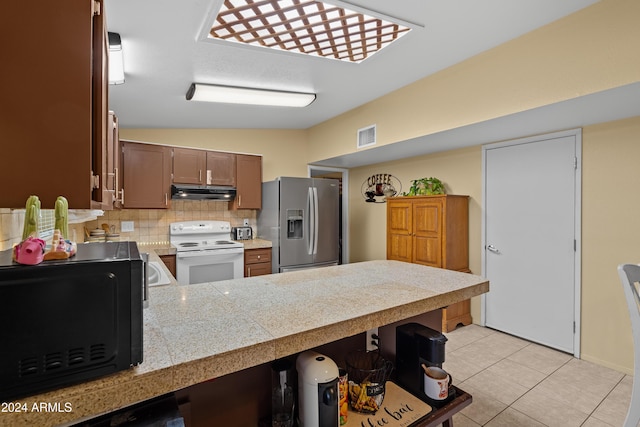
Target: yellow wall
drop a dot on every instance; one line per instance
(610, 235)
(589, 51)
(283, 151)
(459, 169)
(461, 172)
(610, 226)
(592, 50)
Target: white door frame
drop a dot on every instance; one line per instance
(577, 133)
(345, 204)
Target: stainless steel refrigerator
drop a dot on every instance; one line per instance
(300, 216)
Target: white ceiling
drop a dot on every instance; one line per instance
(163, 57)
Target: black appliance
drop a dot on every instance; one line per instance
(416, 345)
(202, 192)
(162, 411)
(69, 321)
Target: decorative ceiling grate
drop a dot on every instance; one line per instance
(309, 27)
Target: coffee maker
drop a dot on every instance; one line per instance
(416, 345)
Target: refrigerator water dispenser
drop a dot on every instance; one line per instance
(294, 223)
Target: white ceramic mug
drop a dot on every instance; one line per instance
(436, 383)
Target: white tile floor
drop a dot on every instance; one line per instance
(516, 383)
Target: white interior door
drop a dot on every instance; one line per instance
(531, 238)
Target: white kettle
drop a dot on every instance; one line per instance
(317, 390)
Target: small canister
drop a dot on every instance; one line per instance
(343, 395)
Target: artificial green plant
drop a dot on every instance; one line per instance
(425, 187)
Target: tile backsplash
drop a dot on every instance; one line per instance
(150, 225)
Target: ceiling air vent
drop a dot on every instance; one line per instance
(366, 136)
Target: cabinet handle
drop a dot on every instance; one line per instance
(240, 200)
(115, 184)
(166, 199)
(248, 271)
(258, 256)
(200, 176)
(122, 196)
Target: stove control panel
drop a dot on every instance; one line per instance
(200, 227)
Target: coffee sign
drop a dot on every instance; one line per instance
(399, 409)
(378, 187)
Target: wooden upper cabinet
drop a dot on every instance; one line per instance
(248, 182)
(54, 114)
(111, 180)
(189, 166)
(221, 169)
(146, 175)
(202, 167)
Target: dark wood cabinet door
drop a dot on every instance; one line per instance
(100, 112)
(248, 182)
(221, 169)
(257, 262)
(146, 175)
(189, 166)
(170, 262)
(53, 102)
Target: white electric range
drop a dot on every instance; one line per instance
(205, 252)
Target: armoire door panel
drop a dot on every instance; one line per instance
(399, 221)
(428, 218)
(426, 250)
(399, 247)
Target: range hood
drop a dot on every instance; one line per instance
(202, 192)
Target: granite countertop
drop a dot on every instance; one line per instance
(198, 332)
(256, 244)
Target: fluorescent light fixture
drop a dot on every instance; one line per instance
(116, 61)
(241, 95)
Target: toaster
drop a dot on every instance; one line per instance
(241, 233)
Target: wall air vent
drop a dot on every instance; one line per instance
(366, 136)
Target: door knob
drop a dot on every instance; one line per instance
(493, 249)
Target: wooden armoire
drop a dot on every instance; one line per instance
(433, 231)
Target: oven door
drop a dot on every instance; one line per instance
(209, 265)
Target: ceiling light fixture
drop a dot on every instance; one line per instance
(116, 61)
(309, 27)
(242, 95)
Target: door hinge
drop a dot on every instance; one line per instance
(96, 8)
(575, 245)
(575, 162)
(574, 327)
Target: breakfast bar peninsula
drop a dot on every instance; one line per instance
(211, 331)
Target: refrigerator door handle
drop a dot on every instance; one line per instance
(310, 213)
(316, 216)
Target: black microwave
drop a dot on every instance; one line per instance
(68, 321)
